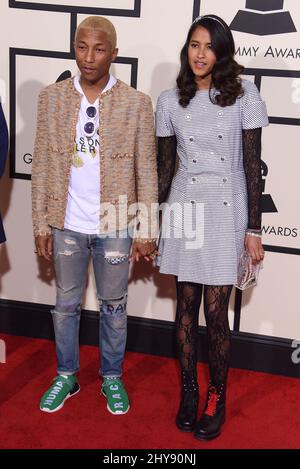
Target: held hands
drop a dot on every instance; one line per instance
(254, 246)
(146, 250)
(44, 246)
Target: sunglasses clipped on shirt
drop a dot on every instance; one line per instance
(89, 127)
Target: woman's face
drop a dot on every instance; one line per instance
(201, 56)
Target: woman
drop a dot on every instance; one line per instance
(213, 121)
(3, 154)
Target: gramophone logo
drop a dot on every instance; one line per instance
(268, 205)
(263, 18)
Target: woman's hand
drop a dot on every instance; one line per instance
(146, 250)
(254, 246)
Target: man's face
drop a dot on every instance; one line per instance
(94, 54)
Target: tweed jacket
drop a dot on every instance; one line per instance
(128, 174)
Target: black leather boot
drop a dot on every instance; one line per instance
(213, 417)
(187, 414)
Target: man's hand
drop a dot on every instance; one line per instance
(44, 246)
(146, 250)
(254, 247)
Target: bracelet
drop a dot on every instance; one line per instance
(43, 233)
(145, 240)
(254, 233)
(255, 230)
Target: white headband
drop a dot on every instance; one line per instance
(210, 17)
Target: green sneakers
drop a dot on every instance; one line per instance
(116, 395)
(61, 389)
(64, 387)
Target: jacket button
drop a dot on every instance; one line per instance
(224, 179)
(227, 204)
(194, 161)
(191, 139)
(220, 136)
(222, 158)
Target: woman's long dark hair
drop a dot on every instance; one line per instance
(226, 71)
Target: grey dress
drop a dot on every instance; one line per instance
(204, 223)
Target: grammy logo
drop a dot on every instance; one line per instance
(263, 18)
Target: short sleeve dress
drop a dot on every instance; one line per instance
(206, 214)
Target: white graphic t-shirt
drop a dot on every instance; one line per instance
(83, 203)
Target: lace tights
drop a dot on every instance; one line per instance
(216, 299)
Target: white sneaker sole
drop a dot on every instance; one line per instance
(49, 411)
(117, 412)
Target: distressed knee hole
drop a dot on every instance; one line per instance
(115, 257)
(65, 253)
(69, 241)
(65, 310)
(68, 252)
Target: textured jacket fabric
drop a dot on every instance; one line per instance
(128, 172)
(3, 154)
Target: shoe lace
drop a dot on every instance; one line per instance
(113, 380)
(213, 397)
(63, 380)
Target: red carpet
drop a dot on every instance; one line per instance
(263, 409)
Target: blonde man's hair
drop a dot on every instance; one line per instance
(101, 24)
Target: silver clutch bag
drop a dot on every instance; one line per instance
(247, 274)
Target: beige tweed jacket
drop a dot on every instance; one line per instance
(128, 173)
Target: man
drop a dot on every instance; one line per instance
(94, 154)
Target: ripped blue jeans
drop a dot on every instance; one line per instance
(72, 252)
